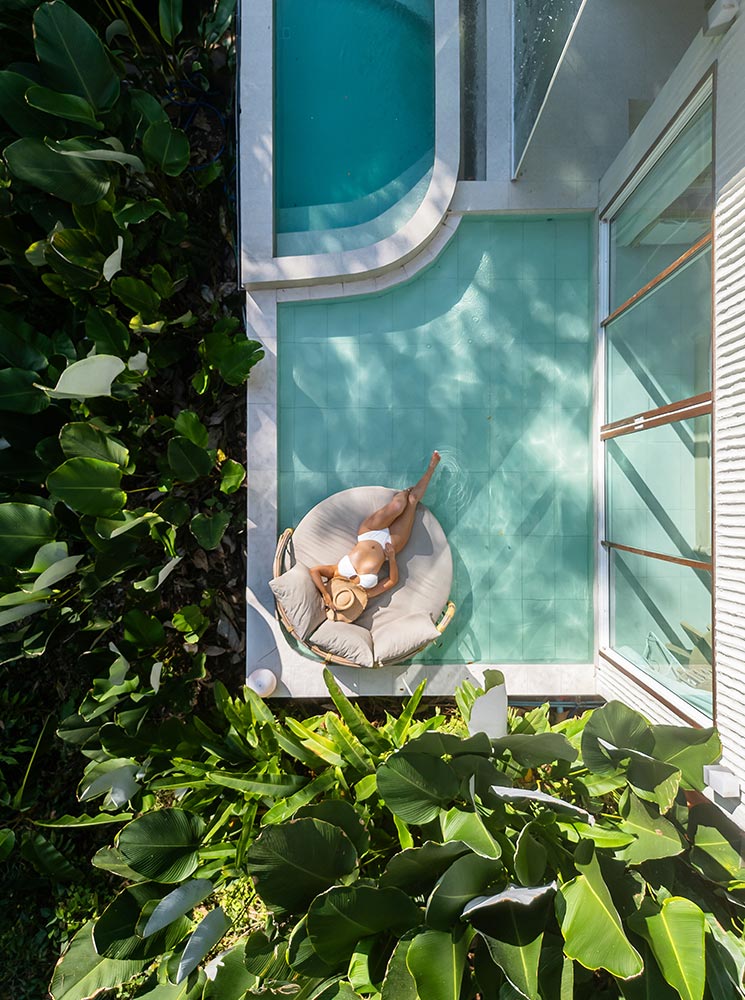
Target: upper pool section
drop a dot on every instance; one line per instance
(354, 120)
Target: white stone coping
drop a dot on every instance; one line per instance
(261, 269)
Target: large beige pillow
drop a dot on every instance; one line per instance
(300, 599)
(395, 638)
(345, 639)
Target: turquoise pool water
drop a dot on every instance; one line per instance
(485, 356)
(354, 119)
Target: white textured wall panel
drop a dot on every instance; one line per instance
(729, 389)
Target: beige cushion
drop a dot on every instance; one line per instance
(345, 639)
(329, 530)
(395, 638)
(300, 599)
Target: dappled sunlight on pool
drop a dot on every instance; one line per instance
(485, 356)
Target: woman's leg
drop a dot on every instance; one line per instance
(401, 528)
(400, 503)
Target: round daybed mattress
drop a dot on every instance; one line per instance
(329, 531)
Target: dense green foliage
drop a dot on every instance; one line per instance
(122, 361)
(406, 859)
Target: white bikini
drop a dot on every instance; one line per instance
(346, 568)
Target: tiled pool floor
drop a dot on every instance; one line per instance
(485, 356)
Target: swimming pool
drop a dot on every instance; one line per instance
(486, 356)
(354, 120)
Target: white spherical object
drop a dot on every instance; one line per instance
(263, 682)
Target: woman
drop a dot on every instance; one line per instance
(381, 536)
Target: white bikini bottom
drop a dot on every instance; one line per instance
(346, 568)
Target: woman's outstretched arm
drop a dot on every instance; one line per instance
(317, 575)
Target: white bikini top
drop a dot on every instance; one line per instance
(346, 569)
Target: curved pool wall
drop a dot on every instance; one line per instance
(485, 355)
(354, 120)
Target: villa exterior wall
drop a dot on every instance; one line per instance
(727, 54)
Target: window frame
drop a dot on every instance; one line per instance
(701, 404)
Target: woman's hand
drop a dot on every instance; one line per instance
(390, 553)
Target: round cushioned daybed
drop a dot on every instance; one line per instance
(393, 627)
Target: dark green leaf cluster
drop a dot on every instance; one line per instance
(412, 859)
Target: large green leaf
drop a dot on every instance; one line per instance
(23, 528)
(655, 836)
(294, 862)
(229, 979)
(167, 147)
(82, 973)
(341, 916)
(536, 749)
(278, 786)
(178, 902)
(206, 935)
(162, 845)
(618, 725)
(87, 378)
(209, 529)
(82, 182)
(137, 295)
(69, 106)
(358, 723)
(469, 828)
(88, 486)
(465, 879)
(398, 983)
(170, 18)
(675, 933)
(418, 868)
(437, 962)
(688, 750)
(725, 961)
(511, 795)
(24, 120)
(530, 856)
(303, 957)
(19, 392)
(592, 929)
(651, 984)
(416, 786)
(512, 924)
(108, 334)
(115, 932)
(341, 813)
(187, 460)
(233, 357)
(85, 440)
(72, 56)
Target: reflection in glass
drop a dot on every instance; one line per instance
(659, 489)
(659, 350)
(661, 622)
(667, 213)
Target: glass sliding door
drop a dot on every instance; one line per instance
(657, 430)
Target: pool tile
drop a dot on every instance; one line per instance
(376, 439)
(506, 637)
(538, 503)
(343, 437)
(539, 249)
(286, 439)
(539, 631)
(343, 318)
(310, 374)
(440, 294)
(311, 439)
(310, 489)
(574, 630)
(311, 321)
(573, 567)
(446, 263)
(573, 312)
(472, 439)
(408, 305)
(539, 302)
(573, 248)
(506, 559)
(507, 249)
(574, 507)
(376, 313)
(408, 448)
(574, 376)
(506, 503)
(538, 567)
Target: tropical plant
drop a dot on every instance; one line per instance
(122, 356)
(411, 859)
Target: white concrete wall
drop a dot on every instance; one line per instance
(727, 53)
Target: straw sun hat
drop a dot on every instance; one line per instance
(350, 600)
